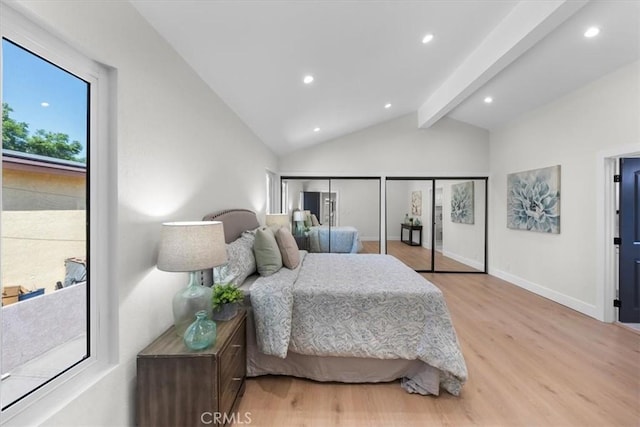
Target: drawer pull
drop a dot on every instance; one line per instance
(236, 345)
(237, 379)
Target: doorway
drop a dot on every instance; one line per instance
(607, 230)
(629, 241)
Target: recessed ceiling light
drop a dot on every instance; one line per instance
(316, 129)
(307, 79)
(387, 106)
(427, 38)
(592, 32)
(44, 104)
(488, 100)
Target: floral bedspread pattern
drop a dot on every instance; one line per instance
(344, 239)
(359, 306)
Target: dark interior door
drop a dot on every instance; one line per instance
(311, 202)
(629, 261)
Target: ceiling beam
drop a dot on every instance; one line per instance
(528, 23)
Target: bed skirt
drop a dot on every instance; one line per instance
(416, 376)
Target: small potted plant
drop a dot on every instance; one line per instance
(225, 301)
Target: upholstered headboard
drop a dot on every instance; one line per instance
(235, 222)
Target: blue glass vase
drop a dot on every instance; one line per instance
(201, 333)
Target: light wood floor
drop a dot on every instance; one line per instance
(416, 257)
(531, 362)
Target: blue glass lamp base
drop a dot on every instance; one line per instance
(187, 302)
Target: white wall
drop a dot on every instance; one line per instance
(398, 200)
(181, 153)
(425, 187)
(397, 148)
(568, 132)
(359, 205)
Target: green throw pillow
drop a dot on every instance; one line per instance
(267, 252)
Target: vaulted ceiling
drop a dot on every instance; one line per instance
(369, 63)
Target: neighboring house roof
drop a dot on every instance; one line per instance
(37, 163)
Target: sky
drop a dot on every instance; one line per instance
(43, 95)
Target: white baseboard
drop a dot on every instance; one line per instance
(468, 261)
(567, 301)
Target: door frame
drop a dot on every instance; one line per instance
(606, 256)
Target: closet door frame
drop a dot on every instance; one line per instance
(432, 224)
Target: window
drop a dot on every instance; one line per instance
(43, 252)
(53, 252)
(272, 193)
(284, 196)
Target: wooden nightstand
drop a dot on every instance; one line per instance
(180, 387)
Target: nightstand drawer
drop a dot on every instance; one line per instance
(233, 368)
(231, 388)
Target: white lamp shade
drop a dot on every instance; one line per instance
(277, 220)
(298, 216)
(191, 246)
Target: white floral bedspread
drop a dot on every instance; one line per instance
(359, 305)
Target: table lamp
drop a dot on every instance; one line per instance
(191, 247)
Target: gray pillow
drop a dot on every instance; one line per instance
(265, 248)
(242, 262)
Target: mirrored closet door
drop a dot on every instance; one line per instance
(409, 217)
(437, 224)
(460, 225)
(340, 215)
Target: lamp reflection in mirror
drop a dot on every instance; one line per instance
(298, 219)
(191, 247)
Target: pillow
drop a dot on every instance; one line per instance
(274, 227)
(288, 248)
(241, 263)
(314, 220)
(265, 248)
(250, 233)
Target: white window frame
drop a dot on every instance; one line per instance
(272, 192)
(53, 396)
(284, 192)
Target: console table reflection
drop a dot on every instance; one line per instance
(410, 230)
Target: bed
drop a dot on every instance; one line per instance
(343, 239)
(346, 317)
